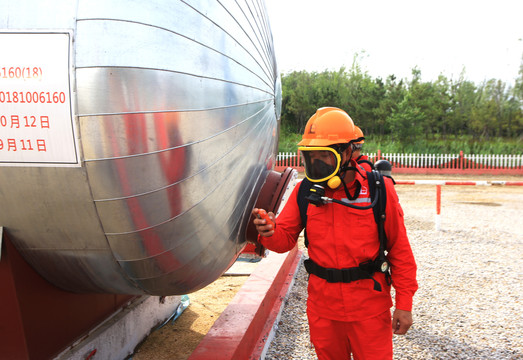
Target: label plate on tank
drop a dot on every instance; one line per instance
(37, 126)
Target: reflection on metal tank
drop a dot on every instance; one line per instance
(142, 134)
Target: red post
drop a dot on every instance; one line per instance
(438, 208)
(438, 199)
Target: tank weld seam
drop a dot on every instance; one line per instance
(170, 185)
(176, 111)
(188, 209)
(193, 40)
(257, 47)
(176, 72)
(265, 56)
(180, 146)
(260, 45)
(190, 235)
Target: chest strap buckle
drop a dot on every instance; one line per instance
(346, 275)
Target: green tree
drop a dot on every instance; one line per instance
(433, 101)
(484, 114)
(297, 92)
(362, 98)
(515, 106)
(463, 99)
(404, 121)
(394, 93)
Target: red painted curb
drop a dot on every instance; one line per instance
(243, 328)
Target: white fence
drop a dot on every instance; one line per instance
(429, 161)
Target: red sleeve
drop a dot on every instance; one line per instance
(288, 226)
(403, 265)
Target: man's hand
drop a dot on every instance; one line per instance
(263, 228)
(401, 321)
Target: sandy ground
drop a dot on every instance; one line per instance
(176, 340)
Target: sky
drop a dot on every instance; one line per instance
(394, 36)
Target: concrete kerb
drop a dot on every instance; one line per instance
(117, 336)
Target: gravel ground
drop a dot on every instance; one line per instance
(468, 305)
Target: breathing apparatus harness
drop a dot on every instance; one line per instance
(314, 193)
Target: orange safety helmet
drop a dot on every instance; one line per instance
(328, 126)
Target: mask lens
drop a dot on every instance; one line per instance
(320, 164)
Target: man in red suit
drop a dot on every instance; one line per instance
(349, 298)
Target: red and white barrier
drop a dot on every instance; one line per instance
(439, 183)
(453, 182)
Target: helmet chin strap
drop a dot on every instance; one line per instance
(344, 168)
(338, 180)
(347, 193)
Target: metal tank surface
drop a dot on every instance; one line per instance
(135, 137)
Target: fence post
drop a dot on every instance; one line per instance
(438, 208)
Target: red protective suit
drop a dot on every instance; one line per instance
(342, 237)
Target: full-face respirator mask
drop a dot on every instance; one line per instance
(323, 167)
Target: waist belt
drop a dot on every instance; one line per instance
(347, 275)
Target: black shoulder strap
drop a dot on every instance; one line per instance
(364, 161)
(377, 183)
(303, 204)
(376, 180)
(303, 191)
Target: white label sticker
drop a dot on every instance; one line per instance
(36, 116)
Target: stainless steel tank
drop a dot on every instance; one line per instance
(139, 139)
